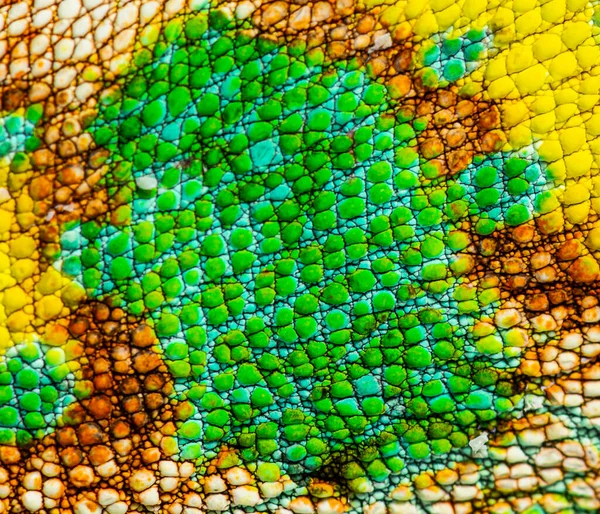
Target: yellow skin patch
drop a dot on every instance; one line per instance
(31, 300)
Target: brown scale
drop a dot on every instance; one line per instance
(126, 373)
(541, 272)
(526, 251)
(458, 129)
(13, 98)
(312, 23)
(342, 28)
(122, 420)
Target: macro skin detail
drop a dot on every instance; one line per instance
(306, 257)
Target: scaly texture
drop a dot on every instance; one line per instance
(299, 257)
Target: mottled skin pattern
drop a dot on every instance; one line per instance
(299, 257)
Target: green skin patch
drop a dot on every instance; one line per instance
(298, 263)
(35, 389)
